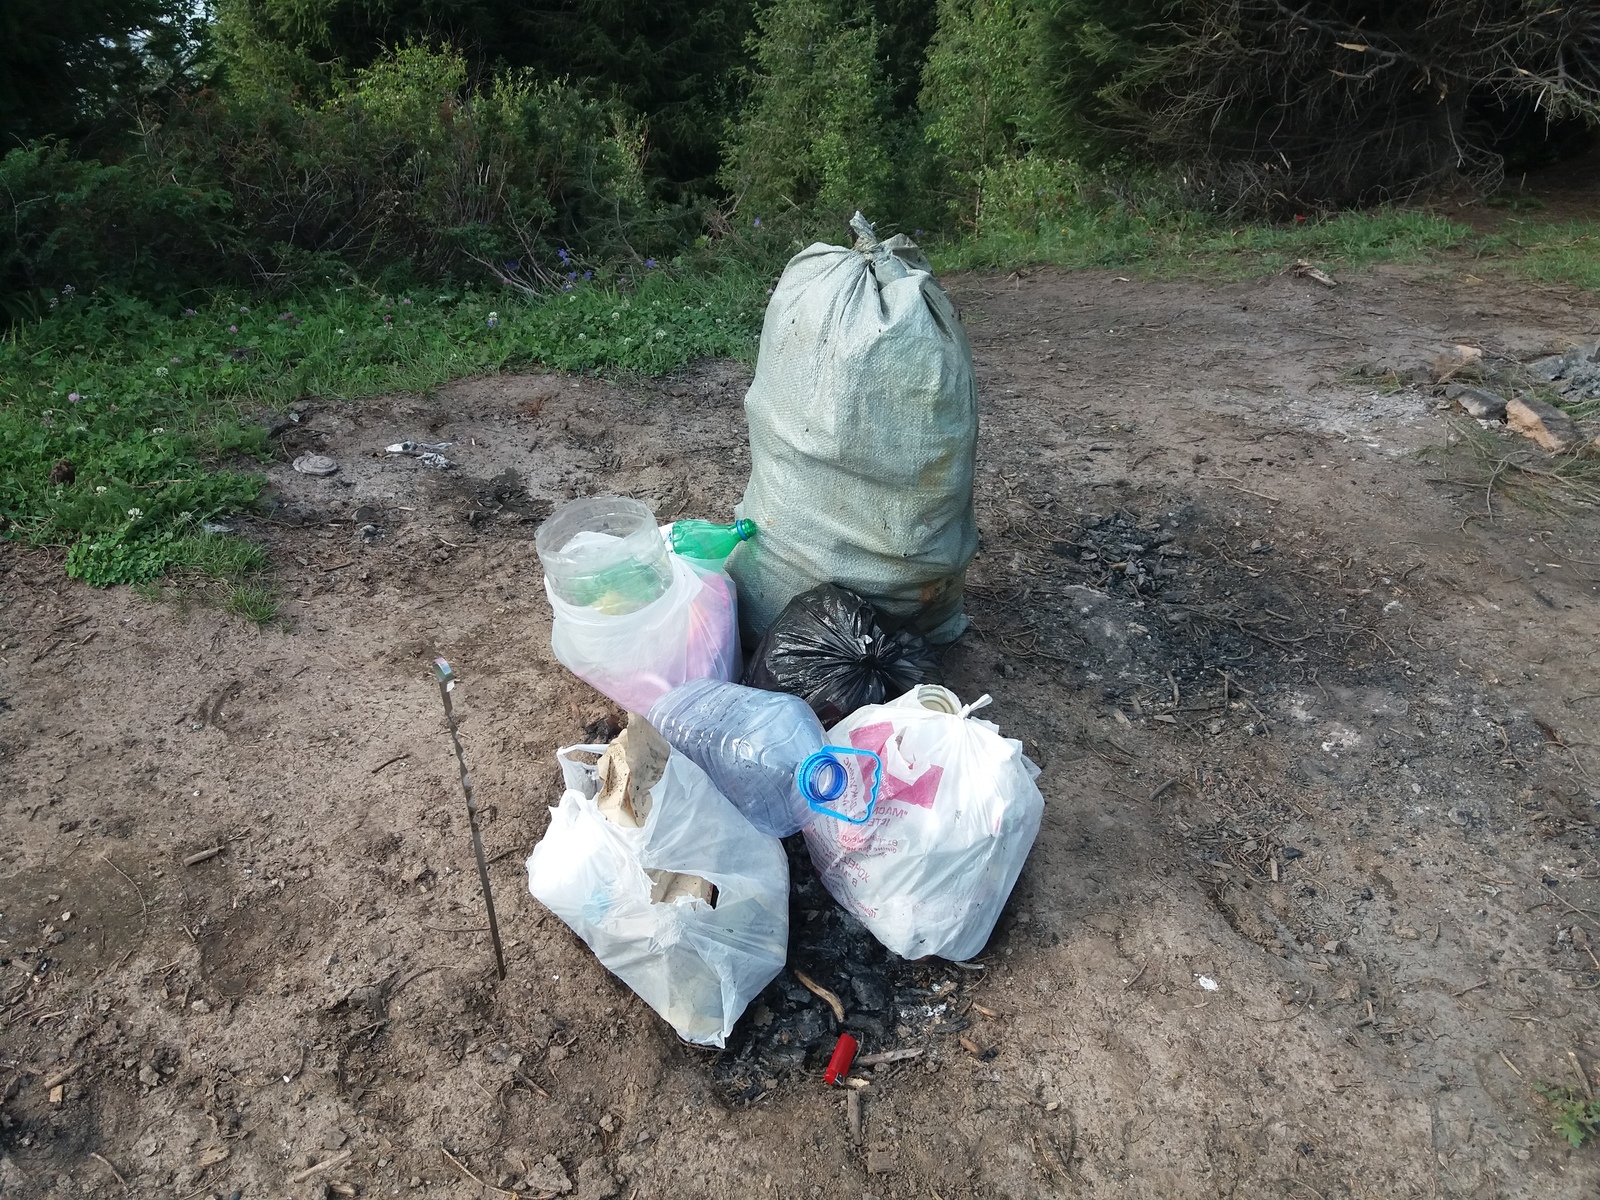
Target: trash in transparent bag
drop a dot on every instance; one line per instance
(690, 909)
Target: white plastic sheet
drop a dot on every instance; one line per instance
(698, 966)
(957, 813)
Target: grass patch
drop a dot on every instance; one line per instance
(124, 426)
(1165, 243)
(1512, 469)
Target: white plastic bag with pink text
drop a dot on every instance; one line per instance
(957, 813)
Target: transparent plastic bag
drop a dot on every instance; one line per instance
(698, 964)
(957, 813)
(691, 631)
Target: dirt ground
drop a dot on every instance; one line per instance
(1312, 914)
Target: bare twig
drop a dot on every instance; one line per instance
(462, 1167)
(447, 680)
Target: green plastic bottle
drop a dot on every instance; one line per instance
(708, 541)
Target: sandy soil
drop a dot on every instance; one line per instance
(1310, 915)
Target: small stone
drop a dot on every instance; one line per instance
(1478, 403)
(368, 532)
(880, 1162)
(1456, 359)
(315, 464)
(548, 1176)
(1405, 931)
(1290, 853)
(335, 1139)
(200, 1006)
(1545, 424)
(148, 1076)
(1330, 947)
(596, 1182)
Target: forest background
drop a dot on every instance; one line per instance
(212, 213)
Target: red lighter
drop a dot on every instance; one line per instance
(844, 1053)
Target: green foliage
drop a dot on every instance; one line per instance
(1162, 237)
(671, 62)
(408, 173)
(123, 427)
(1552, 252)
(813, 134)
(80, 224)
(254, 601)
(76, 69)
(1276, 107)
(1576, 1119)
(975, 96)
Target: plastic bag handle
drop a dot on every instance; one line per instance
(582, 748)
(982, 701)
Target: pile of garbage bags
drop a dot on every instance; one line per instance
(843, 569)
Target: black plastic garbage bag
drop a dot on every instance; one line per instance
(828, 648)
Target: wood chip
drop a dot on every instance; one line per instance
(852, 1115)
(888, 1056)
(328, 1164)
(202, 856)
(970, 1046)
(211, 1156)
(982, 1011)
(62, 1076)
(823, 994)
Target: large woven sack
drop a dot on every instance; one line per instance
(863, 428)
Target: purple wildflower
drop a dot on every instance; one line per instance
(649, 264)
(562, 254)
(73, 397)
(588, 274)
(188, 312)
(233, 329)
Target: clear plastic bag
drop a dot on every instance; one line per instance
(957, 813)
(697, 963)
(691, 631)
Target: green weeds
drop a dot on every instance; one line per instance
(1575, 1119)
(124, 428)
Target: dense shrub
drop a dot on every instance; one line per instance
(1330, 102)
(409, 171)
(812, 134)
(674, 62)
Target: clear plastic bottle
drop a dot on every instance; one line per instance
(768, 754)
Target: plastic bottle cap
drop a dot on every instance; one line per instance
(822, 778)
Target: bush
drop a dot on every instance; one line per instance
(813, 134)
(408, 173)
(81, 225)
(975, 98)
(1332, 103)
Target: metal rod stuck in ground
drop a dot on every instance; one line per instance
(446, 679)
